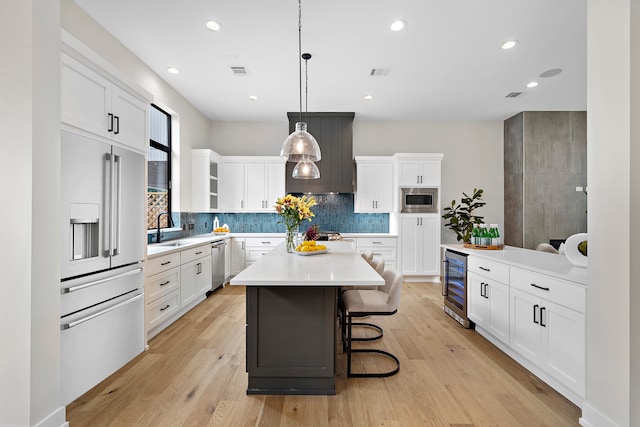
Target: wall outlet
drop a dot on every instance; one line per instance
(579, 189)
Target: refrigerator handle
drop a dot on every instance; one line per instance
(112, 174)
(445, 275)
(115, 226)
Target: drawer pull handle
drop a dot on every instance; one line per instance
(377, 243)
(485, 269)
(535, 308)
(539, 287)
(165, 307)
(266, 243)
(377, 253)
(165, 283)
(165, 263)
(198, 253)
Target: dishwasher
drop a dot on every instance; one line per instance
(217, 263)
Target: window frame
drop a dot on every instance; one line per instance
(168, 150)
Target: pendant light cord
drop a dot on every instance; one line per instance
(300, 52)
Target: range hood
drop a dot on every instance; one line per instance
(334, 133)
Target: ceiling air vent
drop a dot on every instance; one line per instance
(239, 70)
(515, 95)
(380, 72)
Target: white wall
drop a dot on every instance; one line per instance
(611, 148)
(194, 129)
(29, 172)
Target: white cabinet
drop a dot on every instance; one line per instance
(251, 184)
(488, 305)
(195, 274)
(91, 101)
(204, 180)
(374, 184)
(548, 326)
(257, 247)
(420, 244)
(384, 247)
(161, 292)
(237, 260)
(418, 169)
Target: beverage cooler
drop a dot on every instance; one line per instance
(454, 286)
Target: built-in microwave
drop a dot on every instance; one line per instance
(419, 200)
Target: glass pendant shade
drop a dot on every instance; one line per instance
(301, 146)
(306, 169)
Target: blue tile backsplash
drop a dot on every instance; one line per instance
(334, 212)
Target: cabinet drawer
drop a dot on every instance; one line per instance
(163, 308)
(161, 284)
(255, 253)
(387, 254)
(162, 263)
(371, 242)
(551, 289)
(191, 254)
(263, 241)
(491, 269)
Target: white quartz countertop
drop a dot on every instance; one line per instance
(341, 266)
(542, 262)
(163, 248)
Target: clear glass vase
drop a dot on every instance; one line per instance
(292, 234)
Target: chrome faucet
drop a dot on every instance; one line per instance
(170, 223)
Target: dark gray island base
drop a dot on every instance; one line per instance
(291, 333)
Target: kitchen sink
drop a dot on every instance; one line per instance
(178, 243)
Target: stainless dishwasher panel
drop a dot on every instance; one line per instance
(217, 263)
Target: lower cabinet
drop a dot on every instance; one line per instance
(256, 247)
(420, 244)
(384, 247)
(489, 305)
(551, 336)
(174, 284)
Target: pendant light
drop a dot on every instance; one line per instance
(301, 146)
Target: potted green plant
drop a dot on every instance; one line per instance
(460, 216)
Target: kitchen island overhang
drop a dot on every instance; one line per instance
(292, 317)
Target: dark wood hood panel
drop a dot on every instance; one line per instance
(334, 133)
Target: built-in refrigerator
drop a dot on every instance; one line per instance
(102, 254)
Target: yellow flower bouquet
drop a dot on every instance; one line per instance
(293, 211)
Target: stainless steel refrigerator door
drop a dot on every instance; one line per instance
(128, 241)
(85, 174)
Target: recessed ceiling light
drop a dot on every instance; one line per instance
(532, 84)
(253, 97)
(368, 97)
(173, 70)
(213, 25)
(398, 25)
(550, 73)
(509, 44)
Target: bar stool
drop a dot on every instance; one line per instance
(367, 302)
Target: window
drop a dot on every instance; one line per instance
(159, 168)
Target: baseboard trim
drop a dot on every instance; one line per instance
(55, 419)
(591, 417)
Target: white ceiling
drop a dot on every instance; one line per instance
(446, 64)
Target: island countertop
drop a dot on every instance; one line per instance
(339, 267)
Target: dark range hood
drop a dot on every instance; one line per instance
(334, 133)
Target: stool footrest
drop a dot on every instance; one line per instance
(375, 374)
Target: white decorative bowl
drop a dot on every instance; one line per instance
(571, 250)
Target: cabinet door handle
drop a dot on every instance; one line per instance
(165, 283)
(242, 204)
(165, 307)
(535, 308)
(539, 287)
(485, 269)
(486, 288)
(542, 311)
(481, 289)
(110, 122)
(117, 130)
(199, 268)
(372, 204)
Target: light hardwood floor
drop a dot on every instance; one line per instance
(194, 375)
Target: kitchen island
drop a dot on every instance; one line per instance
(292, 317)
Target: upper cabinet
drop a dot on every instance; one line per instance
(334, 133)
(95, 103)
(418, 169)
(204, 180)
(251, 183)
(374, 184)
